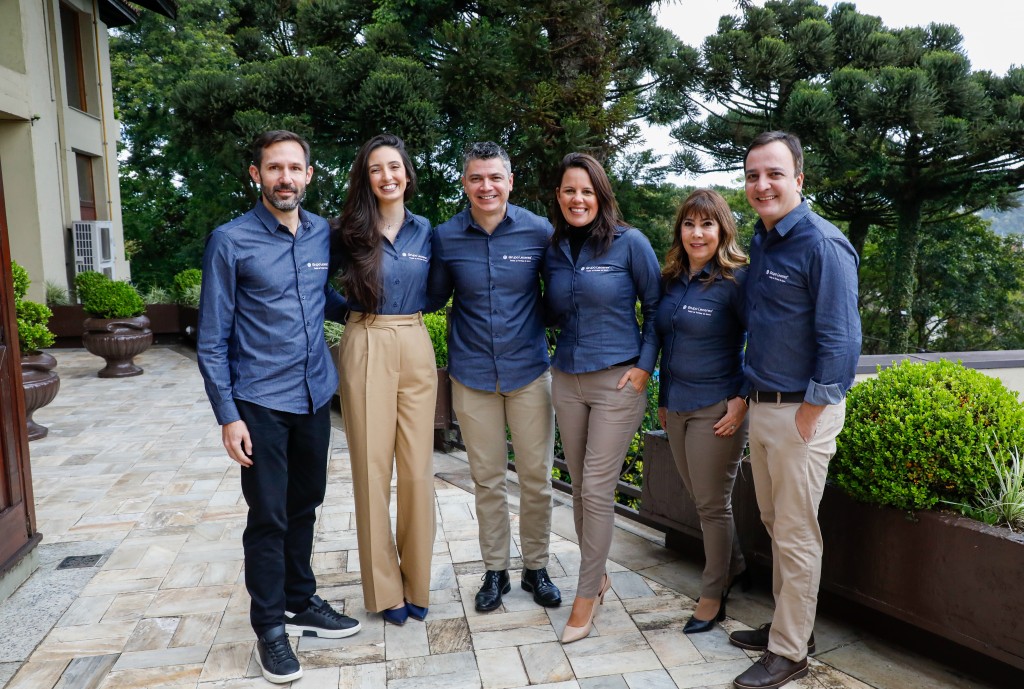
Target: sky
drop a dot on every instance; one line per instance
(991, 38)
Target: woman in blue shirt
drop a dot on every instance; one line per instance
(701, 325)
(388, 376)
(596, 270)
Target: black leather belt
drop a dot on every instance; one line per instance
(774, 397)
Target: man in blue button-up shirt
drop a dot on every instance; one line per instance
(491, 254)
(804, 340)
(270, 380)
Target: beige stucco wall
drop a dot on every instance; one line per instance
(40, 136)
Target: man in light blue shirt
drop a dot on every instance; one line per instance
(490, 255)
(803, 343)
(270, 379)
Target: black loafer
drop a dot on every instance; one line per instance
(540, 585)
(770, 672)
(489, 596)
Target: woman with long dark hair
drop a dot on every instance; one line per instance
(596, 270)
(701, 402)
(388, 376)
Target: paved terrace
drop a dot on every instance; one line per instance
(133, 471)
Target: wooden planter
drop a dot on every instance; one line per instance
(164, 319)
(118, 341)
(41, 384)
(951, 576)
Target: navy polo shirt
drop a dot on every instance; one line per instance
(261, 315)
(802, 319)
(593, 303)
(497, 326)
(702, 336)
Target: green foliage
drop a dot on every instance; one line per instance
(56, 294)
(20, 280)
(1002, 501)
(917, 434)
(437, 327)
(32, 318)
(333, 332)
(186, 286)
(109, 299)
(157, 295)
(86, 282)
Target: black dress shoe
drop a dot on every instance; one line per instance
(696, 625)
(770, 672)
(757, 639)
(489, 596)
(544, 591)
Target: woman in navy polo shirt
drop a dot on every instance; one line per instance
(596, 270)
(701, 325)
(388, 376)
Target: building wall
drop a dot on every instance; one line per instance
(40, 136)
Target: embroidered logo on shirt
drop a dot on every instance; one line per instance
(414, 257)
(597, 269)
(519, 258)
(778, 277)
(316, 265)
(698, 310)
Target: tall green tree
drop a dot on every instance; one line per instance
(900, 132)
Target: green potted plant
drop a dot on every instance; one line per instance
(161, 310)
(187, 285)
(116, 328)
(40, 382)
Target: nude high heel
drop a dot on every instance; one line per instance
(571, 633)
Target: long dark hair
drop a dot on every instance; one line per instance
(355, 235)
(608, 215)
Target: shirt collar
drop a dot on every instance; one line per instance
(789, 221)
(272, 223)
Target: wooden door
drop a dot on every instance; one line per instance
(17, 512)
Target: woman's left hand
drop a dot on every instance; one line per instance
(637, 377)
(730, 423)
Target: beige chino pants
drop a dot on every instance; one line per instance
(388, 394)
(789, 478)
(596, 423)
(483, 416)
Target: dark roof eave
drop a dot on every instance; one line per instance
(168, 8)
(116, 13)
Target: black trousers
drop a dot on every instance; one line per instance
(283, 487)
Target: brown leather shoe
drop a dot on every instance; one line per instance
(770, 672)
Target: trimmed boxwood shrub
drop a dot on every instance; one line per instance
(114, 300)
(186, 286)
(32, 317)
(437, 326)
(917, 435)
(85, 281)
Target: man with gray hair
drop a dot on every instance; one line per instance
(490, 255)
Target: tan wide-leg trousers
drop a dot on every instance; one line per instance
(482, 418)
(388, 394)
(708, 466)
(596, 423)
(789, 478)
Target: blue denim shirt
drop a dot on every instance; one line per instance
(593, 303)
(261, 315)
(497, 325)
(405, 266)
(802, 319)
(702, 336)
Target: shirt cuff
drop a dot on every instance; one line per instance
(226, 412)
(824, 394)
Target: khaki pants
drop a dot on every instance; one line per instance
(482, 418)
(789, 477)
(708, 464)
(596, 423)
(388, 394)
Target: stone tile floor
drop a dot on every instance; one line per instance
(133, 471)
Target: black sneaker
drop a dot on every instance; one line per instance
(320, 619)
(544, 591)
(489, 596)
(276, 657)
(757, 639)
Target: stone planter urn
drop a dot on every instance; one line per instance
(41, 384)
(118, 341)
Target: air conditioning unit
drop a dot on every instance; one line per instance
(94, 246)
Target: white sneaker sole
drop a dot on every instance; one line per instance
(277, 679)
(300, 630)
